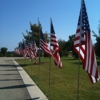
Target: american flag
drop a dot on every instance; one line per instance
(30, 50)
(83, 45)
(35, 51)
(26, 47)
(56, 47)
(23, 49)
(20, 49)
(34, 45)
(34, 48)
(31, 54)
(17, 51)
(44, 45)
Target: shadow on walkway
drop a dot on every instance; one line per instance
(9, 74)
(16, 86)
(37, 98)
(10, 79)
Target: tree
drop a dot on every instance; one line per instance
(97, 44)
(66, 47)
(63, 51)
(69, 46)
(70, 43)
(35, 31)
(4, 51)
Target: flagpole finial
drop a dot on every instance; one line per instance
(38, 21)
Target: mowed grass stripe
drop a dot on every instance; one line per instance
(63, 82)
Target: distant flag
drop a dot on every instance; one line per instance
(84, 47)
(31, 54)
(34, 47)
(17, 51)
(44, 45)
(26, 47)
(56, 48)
(23, 49)
(20, 48)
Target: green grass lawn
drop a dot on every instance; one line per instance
(61, 84)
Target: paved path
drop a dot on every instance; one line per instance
(15, 84)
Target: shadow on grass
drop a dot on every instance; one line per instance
(98, 63)
(70, 58)
(24, 65)
(77, 63)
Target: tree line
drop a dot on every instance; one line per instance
(5, 53)
(66, 47)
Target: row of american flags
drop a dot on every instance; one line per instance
(28, 47)
(82, 46)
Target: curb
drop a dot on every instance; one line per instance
(33, 89)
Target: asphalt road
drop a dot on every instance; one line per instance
(12, 86)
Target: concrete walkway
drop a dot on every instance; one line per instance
(15, 83)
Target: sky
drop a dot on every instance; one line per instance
(16, 15)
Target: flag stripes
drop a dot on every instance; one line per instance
(55, 45)
(44, 45)
(83, 45)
